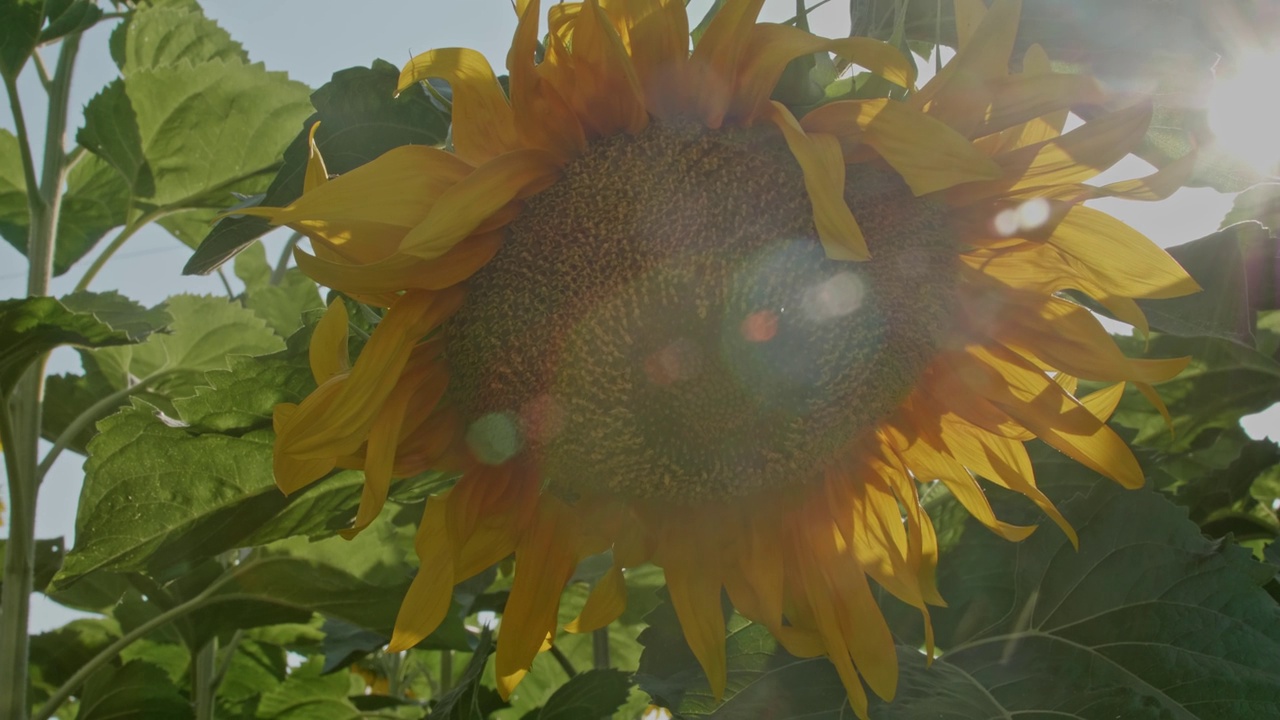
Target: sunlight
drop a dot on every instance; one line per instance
(1242, 110)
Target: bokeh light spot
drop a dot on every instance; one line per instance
(834, 297)
(760, 326)
(494, 438)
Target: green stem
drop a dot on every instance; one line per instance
(22, 427)
(116, 243)
(446, 671)
(600, 648)
(111, 651)
(91, 414)
(202, 681)
(228, 654)
(565, 663)
(277, 273)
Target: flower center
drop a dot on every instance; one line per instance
(663, 322)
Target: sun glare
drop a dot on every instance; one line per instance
(1242, 111)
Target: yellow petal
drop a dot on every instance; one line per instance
(384, 437)
(605, 603)
(960, 94)
(328, 353)
(770, 47)
(659, 44)
(316, 174)
(1075, 157)
(823, 166)
(1055, 417)
(362, 215)
(344, 424)
(543, 118)
(714, 62)
(403, 272)
(545, 558)
(1104, 402)
(927, 154)
(483, 124)
(431, 591)
(607, 94)
(1022, 98)
(465, 206)
(1119, 256)
(929, 463)
(292, 474)
(693, 581)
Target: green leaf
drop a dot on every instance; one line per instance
(187, 136)
(20, 22)
(34, 326)
(13, 192)
(590, 694)
(1236, 268)
(171, 32)
(138, 690)
(309, 695)
(148, 485)
(242, 396)
(360, 581)
(360, 118)
(69, 17)
(253, 670)
(57, 655)
(281, 302)
(1224, 382)
(204, 332)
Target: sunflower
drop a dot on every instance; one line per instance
(641, 307)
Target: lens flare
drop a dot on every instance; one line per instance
(1242, 111)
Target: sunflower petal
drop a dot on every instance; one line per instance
(316, 174)
(605, 603)
(425, 605)
(328, 353)
(543, 118)
(659, 45)
(545, 557)
(714, 62)
(820, 160)
(928, 154)
(339, 427)
(465, 206)
(1120, 256)
(1072, 158)
(693, 581)
(483, 123)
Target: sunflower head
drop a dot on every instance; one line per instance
(640, 306)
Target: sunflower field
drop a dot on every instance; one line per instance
(726, 359)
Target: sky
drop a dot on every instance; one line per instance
(311, 39)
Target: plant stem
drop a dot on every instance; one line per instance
(277, 273)
(22, 427)
(446, 671)
(116, 243)
(202, 680)
(565, 663)
(600, 648)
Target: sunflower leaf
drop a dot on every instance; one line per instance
(1236, 269)
(307, 694)
(360, 118)
(137, 690)
(1224, 382)
(33, 326)
(20, 22)
(281, 301)
(590, 694)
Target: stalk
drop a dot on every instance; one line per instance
(22, 415)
